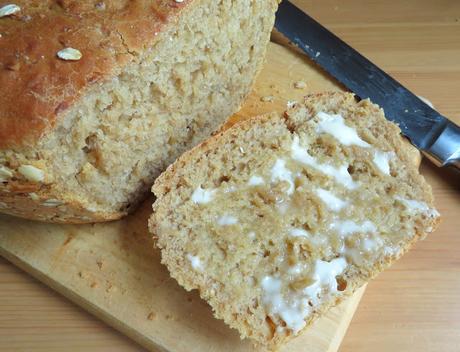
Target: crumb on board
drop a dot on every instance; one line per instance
(151, 316)
(93, 284)
(171, 317)
(99, 264)
(267, 98)
(300, 85)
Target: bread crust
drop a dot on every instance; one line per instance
(43, 206)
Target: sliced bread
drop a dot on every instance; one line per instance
(98, 97)
(279, 218)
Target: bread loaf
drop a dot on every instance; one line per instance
(97, 97)
(279, 218)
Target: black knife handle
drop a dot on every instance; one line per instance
(445, 150)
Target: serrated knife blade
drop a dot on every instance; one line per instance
(435, 135)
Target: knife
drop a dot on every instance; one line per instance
(433, 134)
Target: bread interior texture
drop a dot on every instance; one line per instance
(280, 218)
(107, 150)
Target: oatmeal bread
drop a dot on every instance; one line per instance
(98, 97)
(279, 218)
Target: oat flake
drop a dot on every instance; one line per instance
(8, 10)
(69, 54)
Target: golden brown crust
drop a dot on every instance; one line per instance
(37, 86)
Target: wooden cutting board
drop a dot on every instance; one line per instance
(112, 270)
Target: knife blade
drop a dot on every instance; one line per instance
(435, 135)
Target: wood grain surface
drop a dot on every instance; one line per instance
(414, 306)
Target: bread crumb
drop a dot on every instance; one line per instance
(99, 264)
(300, 85)
(267, 99)
(93, 284)
(151, 316)
(100, 5)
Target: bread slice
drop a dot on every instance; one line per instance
(98, 97)
(279, 218)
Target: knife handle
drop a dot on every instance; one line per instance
(445, 150)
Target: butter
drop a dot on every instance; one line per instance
(415, 206)
(368, 247)
(347, 227)
(295, 232)
(340, 174)
(382, 161)
(324, 276)
(280, 172)
(227, 220)
(195, 262)
(332, 202)
(336, 127)
(203, 196)
(292, 311)
(293, 306)
(256, 181)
